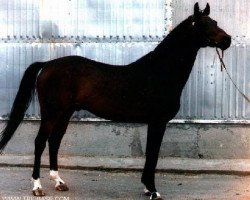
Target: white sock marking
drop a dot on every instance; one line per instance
(37, 184)
(146, 190)
(54, 175)
(157, 195)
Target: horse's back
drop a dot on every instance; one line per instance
(112, 92)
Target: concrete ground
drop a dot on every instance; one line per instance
(15, 184)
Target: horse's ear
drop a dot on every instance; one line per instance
(206, 11)
(196, 10)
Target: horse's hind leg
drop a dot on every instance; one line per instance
(54, 144)
(155, 134)
(40, 144)
(49, 117)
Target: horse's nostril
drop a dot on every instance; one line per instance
(225, 42)
(227, 39)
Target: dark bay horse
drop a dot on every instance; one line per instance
(145, 91)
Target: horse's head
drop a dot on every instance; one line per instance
(207, 31)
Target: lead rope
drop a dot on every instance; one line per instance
(224, 66)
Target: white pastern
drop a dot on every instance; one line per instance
(147, 192)
(155, 195)
(54, 175)
(36, 183)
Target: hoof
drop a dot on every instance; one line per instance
(147, 193)
(38, 193)
(155, 196)
(62, 187)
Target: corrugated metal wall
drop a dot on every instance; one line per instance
(119, 32)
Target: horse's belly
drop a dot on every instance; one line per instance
(133, 111)
(119, 113)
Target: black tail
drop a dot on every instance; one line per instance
(21, 103)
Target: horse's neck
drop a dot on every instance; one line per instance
(175, 57)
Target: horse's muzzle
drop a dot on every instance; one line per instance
(225, 43)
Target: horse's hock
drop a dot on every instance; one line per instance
(109, 139)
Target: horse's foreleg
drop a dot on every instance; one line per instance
(155, 134)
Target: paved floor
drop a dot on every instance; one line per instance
(85, 185)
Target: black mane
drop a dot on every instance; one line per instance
(180, 35)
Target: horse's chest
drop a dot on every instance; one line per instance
(165, 107)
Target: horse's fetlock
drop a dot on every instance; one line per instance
(54, 175)
(37, 183)
(155, 196)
